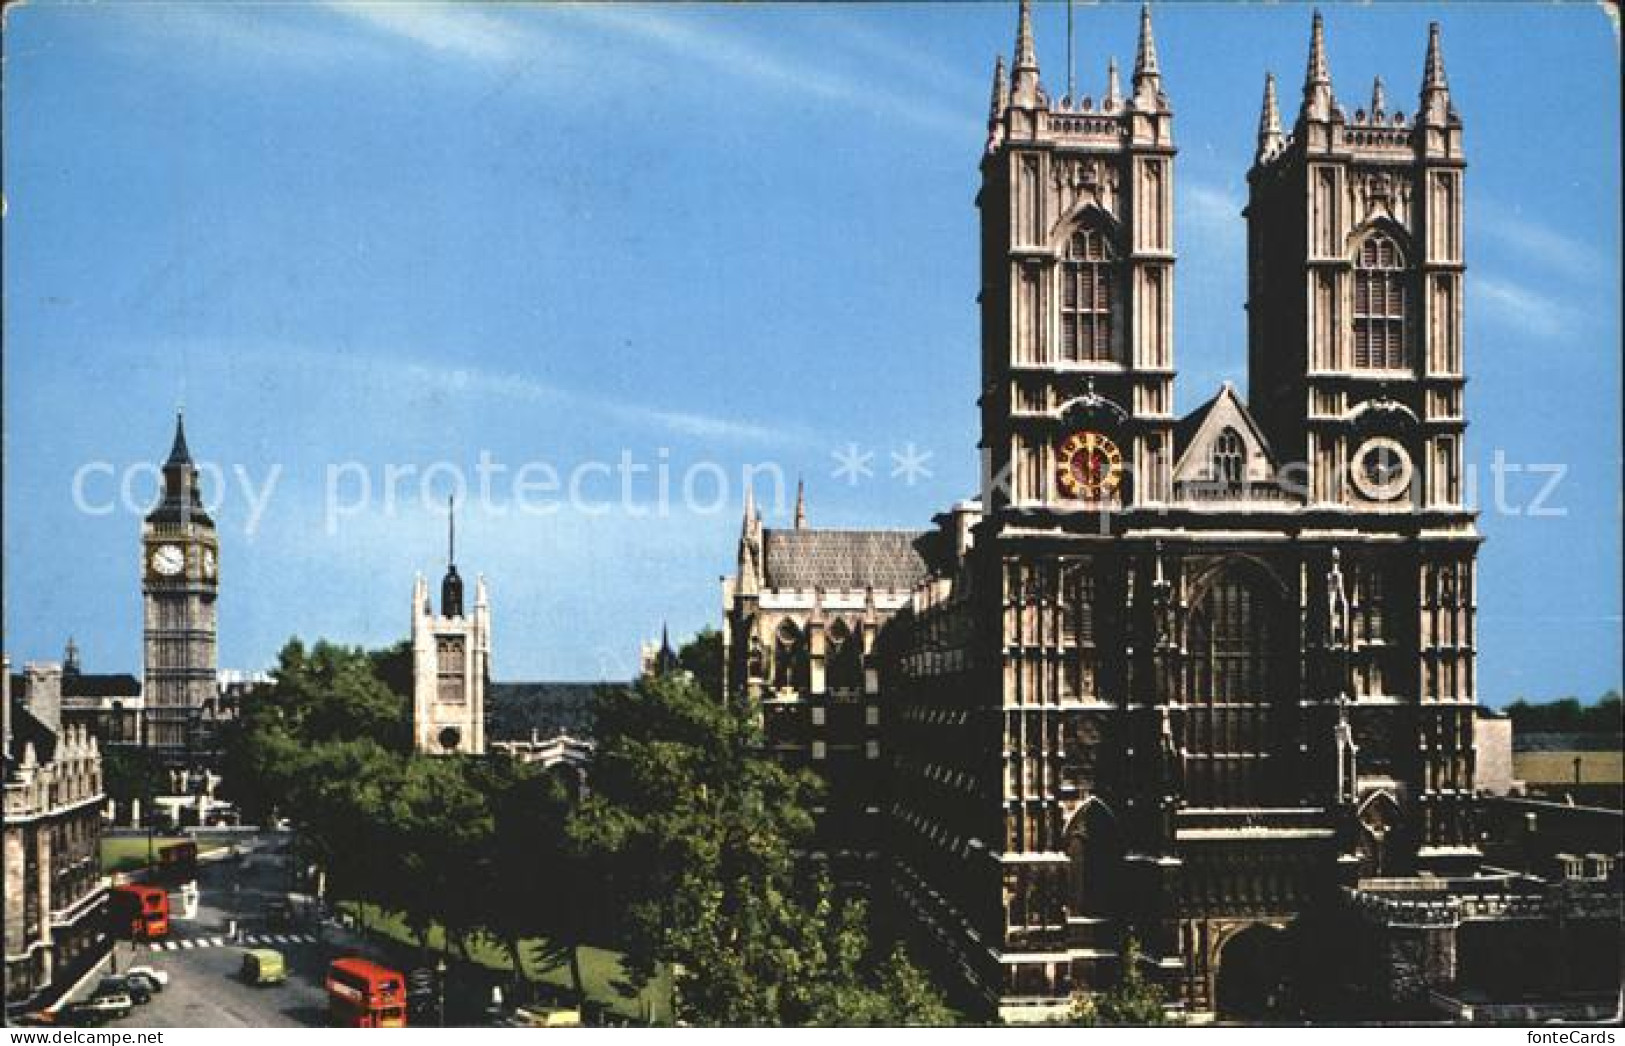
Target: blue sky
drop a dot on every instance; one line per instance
(396, 235)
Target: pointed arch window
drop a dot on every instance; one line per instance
(1380, 305)
(843, 658)
(789, 657)
(1229, 458)
(1231, 722)
(1089, 297)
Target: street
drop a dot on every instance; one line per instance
(204, 988)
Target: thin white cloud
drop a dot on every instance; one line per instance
(485, 384)
(1520, 306)
(450, 29)
(1541, 244)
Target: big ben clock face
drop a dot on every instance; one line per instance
(1090, 465)
(167, 560)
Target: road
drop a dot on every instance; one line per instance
(202, 961)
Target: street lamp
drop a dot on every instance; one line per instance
(440, 978)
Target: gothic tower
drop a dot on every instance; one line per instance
(451, 662)
(1357, 378)
(1077, 291)
(179, 584)
(1355, 292)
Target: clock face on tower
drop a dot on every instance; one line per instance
(167, 560)
(1089, 465)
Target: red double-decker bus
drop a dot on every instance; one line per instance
(140, 912)
(363, 994)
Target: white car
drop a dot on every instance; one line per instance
(159, 978)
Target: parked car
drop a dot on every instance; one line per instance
(98, 1009)
(122, 984)
(154, 979)
(264, 966)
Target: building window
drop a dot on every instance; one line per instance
(789, 658)
(871, 715)
(818, 749)
(1088, 297)
(817, 716)
(1231, 731)
(1379, 305)
(843, 658)
(871, 749)
(1229, 458)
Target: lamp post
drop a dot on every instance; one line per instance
(440, 980)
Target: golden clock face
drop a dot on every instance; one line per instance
(1090, 465)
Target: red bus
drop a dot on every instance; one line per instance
(140, 911)
(362, 994)
(177, 862)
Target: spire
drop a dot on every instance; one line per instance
(1001, 92)
(1147, 77)
(1114, 90)
(1317, 81)
(179, 454)
(1269, 123)
(1025, 88)
(1435, 88)
(1433, 72)
(182, 501)
(70, 658)
(1071, 62)
(451, 586)
(1379, 100)
(801, 504)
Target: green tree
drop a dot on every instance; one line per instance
(1133, 1000)
(702, 658)
(698, 831)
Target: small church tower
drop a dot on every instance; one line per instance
(451, 662)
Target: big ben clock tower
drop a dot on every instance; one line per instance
(180, 579)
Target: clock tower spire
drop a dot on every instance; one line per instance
(180, 584)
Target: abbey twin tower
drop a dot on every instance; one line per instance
(1181, 680)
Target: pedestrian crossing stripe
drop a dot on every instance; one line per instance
(248, 939)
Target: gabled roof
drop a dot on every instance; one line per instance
(1226, 407)
(844, 559)
(514, 710)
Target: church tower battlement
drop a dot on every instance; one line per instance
(451, 662)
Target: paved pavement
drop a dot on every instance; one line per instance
(203, 960)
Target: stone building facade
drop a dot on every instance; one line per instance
(54, 895)
(451, 664)
(1191, 676)
(802, 623)
(180, 572)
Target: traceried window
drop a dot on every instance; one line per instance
(1379, 305)
(843, 658)
(789, 657)
(1230, 719)
(1088, 297)
(1229, 458)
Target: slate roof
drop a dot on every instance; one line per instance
(844, 559)
(25, 729)
(79, 684)
(514, 710)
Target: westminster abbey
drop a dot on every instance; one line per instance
(1201, 683)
